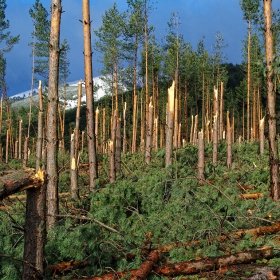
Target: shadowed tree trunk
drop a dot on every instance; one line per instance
(201, 158)
(35, 231)
(51, 132)
(271, 102)
(229, 142)
(89, 95)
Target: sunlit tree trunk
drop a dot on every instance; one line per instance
(51, 132)
(271, 102)
(169, 126)
(261, 135)
(149, 139)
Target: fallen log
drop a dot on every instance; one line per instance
(255, 232)
(214, 263)
(18, 181)
(250, 195)
(138, 274)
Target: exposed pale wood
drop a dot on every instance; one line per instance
(18, 181)
(250, 195)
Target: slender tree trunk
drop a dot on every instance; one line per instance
(248, 80)
(73, 168)
(25, 152)
(40, 132)
(112, 147)
(124, 129)
(221, 111)
(93, 174)
(261, 135)
(97, 128)
(201, 158)
(149, 139)
(271, 103)
(20, 139)
(51, 133)
(229, 142)
(134, 125)
(215, 140)
(74, 149)
(103, 130)
(169, 126)
(7, 145)
(118, 147)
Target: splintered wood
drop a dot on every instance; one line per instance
(20, 180)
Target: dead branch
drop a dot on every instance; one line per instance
(250, 195)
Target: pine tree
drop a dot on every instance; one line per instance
(41, 38)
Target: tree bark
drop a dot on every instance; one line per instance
(35, 231)
(51, 133)
(193, 267)
(93, 174)
(271, 103)
(229, 142)
(40, 132)
(201, 158)
(215, 140)
(149, 132)
(261, 135)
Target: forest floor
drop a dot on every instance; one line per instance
(152, 208)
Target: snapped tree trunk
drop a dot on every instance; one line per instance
(35, 230)
(93, 174)
(169, 126)
(149, 132)
(271, 103)
(261, 135)
(51, 132)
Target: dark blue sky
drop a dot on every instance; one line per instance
(198, 18)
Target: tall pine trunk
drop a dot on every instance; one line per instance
(51, 133)
(92, 158)
(271, 102)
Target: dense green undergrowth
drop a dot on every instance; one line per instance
(152, 206)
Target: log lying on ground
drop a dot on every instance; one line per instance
(208, 264)
(138, 274)
(235, 235)
(18, 181)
